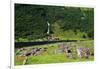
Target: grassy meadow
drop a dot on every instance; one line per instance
(50, 56)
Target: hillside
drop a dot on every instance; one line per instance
(65, 22)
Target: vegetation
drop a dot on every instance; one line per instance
(66, 22)
(50, 57)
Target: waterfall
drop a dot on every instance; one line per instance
(48, 29)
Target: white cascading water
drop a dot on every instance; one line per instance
(48, 31)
